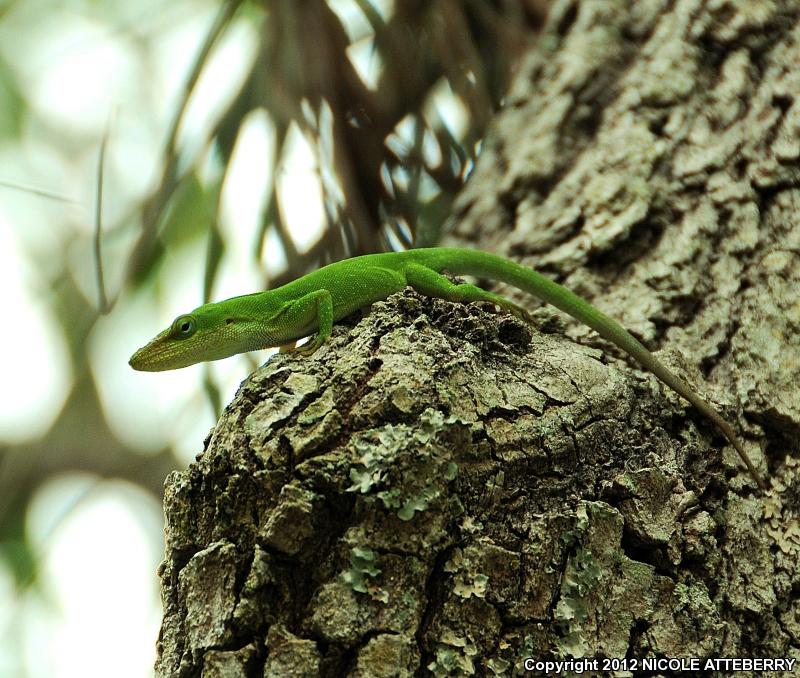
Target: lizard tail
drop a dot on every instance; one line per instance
(483, 264)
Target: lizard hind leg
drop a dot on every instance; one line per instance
(432, 284)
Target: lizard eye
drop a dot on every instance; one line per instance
(183, 327)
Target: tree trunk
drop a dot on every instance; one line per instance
(445, 490)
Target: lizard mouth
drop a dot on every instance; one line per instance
(155, 356)
(146, 359)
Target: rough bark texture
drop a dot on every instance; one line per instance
(443, 490)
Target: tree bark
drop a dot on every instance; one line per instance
(444, 490)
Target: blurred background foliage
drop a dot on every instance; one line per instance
(246, 143)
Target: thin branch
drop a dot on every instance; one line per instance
(103, 306)
(40, 192)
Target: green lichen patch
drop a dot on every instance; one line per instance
(783, 519)
(484, 570)
(405, 469)
(454, 656)
(603, 591)
(391, 601)
(363, 568)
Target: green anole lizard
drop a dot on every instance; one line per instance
(312, 303)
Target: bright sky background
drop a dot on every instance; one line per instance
(84, 64)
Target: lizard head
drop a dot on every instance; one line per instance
(209, 332)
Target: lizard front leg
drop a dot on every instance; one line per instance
(314, 310)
